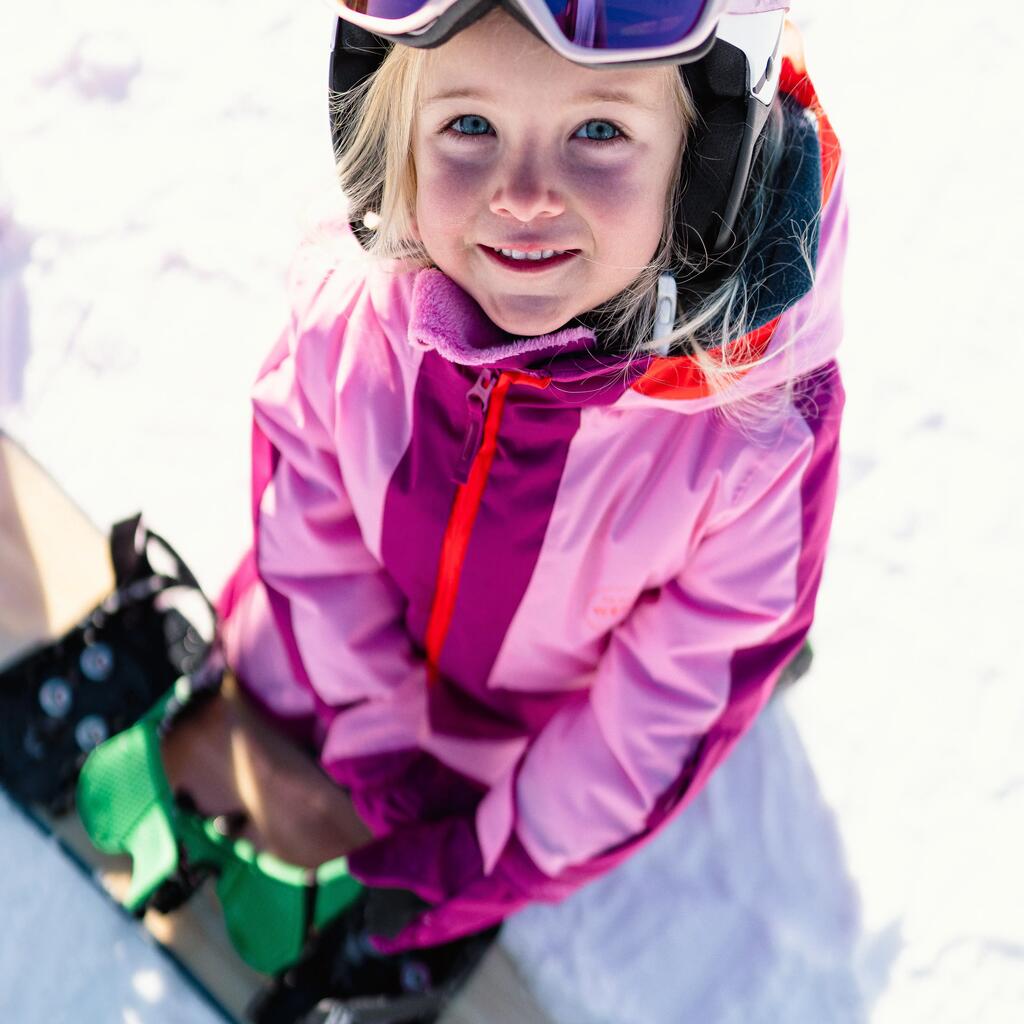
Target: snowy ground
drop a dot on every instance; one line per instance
(859, 857)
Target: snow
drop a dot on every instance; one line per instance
(858, 858)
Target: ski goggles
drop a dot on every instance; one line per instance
(585, 31)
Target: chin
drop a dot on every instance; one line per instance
(530, 330)
(529, 323)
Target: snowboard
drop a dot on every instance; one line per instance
(55, 567)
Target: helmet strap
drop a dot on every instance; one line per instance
(720, 151)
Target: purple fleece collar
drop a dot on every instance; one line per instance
(447, 319)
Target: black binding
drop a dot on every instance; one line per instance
(342, 979)
(60, 699)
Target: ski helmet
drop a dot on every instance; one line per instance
(727, 52)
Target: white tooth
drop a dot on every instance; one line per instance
(518, 254)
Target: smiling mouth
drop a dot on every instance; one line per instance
(529, 261)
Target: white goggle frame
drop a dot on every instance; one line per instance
(714, 14)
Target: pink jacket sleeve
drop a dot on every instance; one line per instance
(683, 677)
(335, 614)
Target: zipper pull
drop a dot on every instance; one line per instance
(477, 398)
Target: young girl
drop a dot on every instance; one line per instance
(544, 464)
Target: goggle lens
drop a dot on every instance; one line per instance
(625, 24)
(392, 9)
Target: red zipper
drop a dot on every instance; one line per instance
(486, 400)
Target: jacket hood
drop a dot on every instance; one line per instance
(793, 278)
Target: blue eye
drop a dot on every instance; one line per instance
(598, 131)
(472, 124)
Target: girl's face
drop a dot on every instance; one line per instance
(516, 148)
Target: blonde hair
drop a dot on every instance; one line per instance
(377, 173)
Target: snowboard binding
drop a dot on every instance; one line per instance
(60, 700)
(342, 979)
(308, 927)
(126, 805)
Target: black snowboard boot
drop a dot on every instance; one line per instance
(342, 979)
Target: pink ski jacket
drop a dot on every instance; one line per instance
(524, 595)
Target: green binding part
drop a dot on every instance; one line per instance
(126, 806)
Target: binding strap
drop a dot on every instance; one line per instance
(126, 805)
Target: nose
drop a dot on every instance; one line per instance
(525, 192)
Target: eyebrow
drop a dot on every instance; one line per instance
(600, 95)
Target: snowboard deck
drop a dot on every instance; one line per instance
(54, 568)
